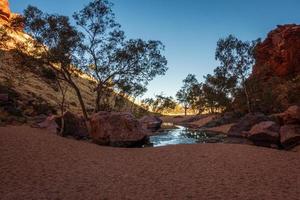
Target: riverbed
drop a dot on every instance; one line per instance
(183, 135)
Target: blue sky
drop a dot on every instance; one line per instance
(188, 28)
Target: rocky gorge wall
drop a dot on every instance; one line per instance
(5, 12)
(279, 53)
(275, 80)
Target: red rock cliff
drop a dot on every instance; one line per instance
(279, 54)
(9, 19)
(4, 10)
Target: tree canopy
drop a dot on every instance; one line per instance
(114, 62)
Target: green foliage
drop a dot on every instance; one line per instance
(189, 96)
(218, 90)
(275, 94)
(49, 74)
(236, 58)
(228, 82)
(126, 66)
(159, 104)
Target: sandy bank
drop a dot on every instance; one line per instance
(38, 165)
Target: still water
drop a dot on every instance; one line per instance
(183, 135)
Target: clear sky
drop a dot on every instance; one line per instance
(188, 28)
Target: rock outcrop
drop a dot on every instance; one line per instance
(117, 129)
(49, 123)
(279, 54)
(151, 123)
(275, 81)
(73, 125)
(265, 133)
(280, 130)
(246, 123)
(290, 135)
(8, 19)
(291, 115)
(4, 11)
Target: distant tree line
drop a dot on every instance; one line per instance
(227, 88)
(159, 104)
(227, 84)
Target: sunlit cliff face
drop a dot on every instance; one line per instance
(279, 53)
(4, 10)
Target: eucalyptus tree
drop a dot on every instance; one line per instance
(112, 61)
(219, 90)
(160, 103)
(55, 43)
(185, 95)
(237, 59)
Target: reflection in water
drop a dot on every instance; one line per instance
(180, 135)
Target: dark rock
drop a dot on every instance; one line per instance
(117, 129)
(39, 118)
(226, 118)
(265, 133)
(73, 125)
(3, 99)
(237, 140)
(290, 136)
(246, 123)
(290, 116)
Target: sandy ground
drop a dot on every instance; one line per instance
(37, 165)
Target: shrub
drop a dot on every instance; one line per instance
(48, 73)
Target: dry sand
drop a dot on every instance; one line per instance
(37, 165)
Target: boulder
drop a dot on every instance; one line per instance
(291, 115)
(245, 124)
(117, 129)
(73, 125)
(151, 123)
(264, 133)
(224, 119)
(290, 136)
(49, 123)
